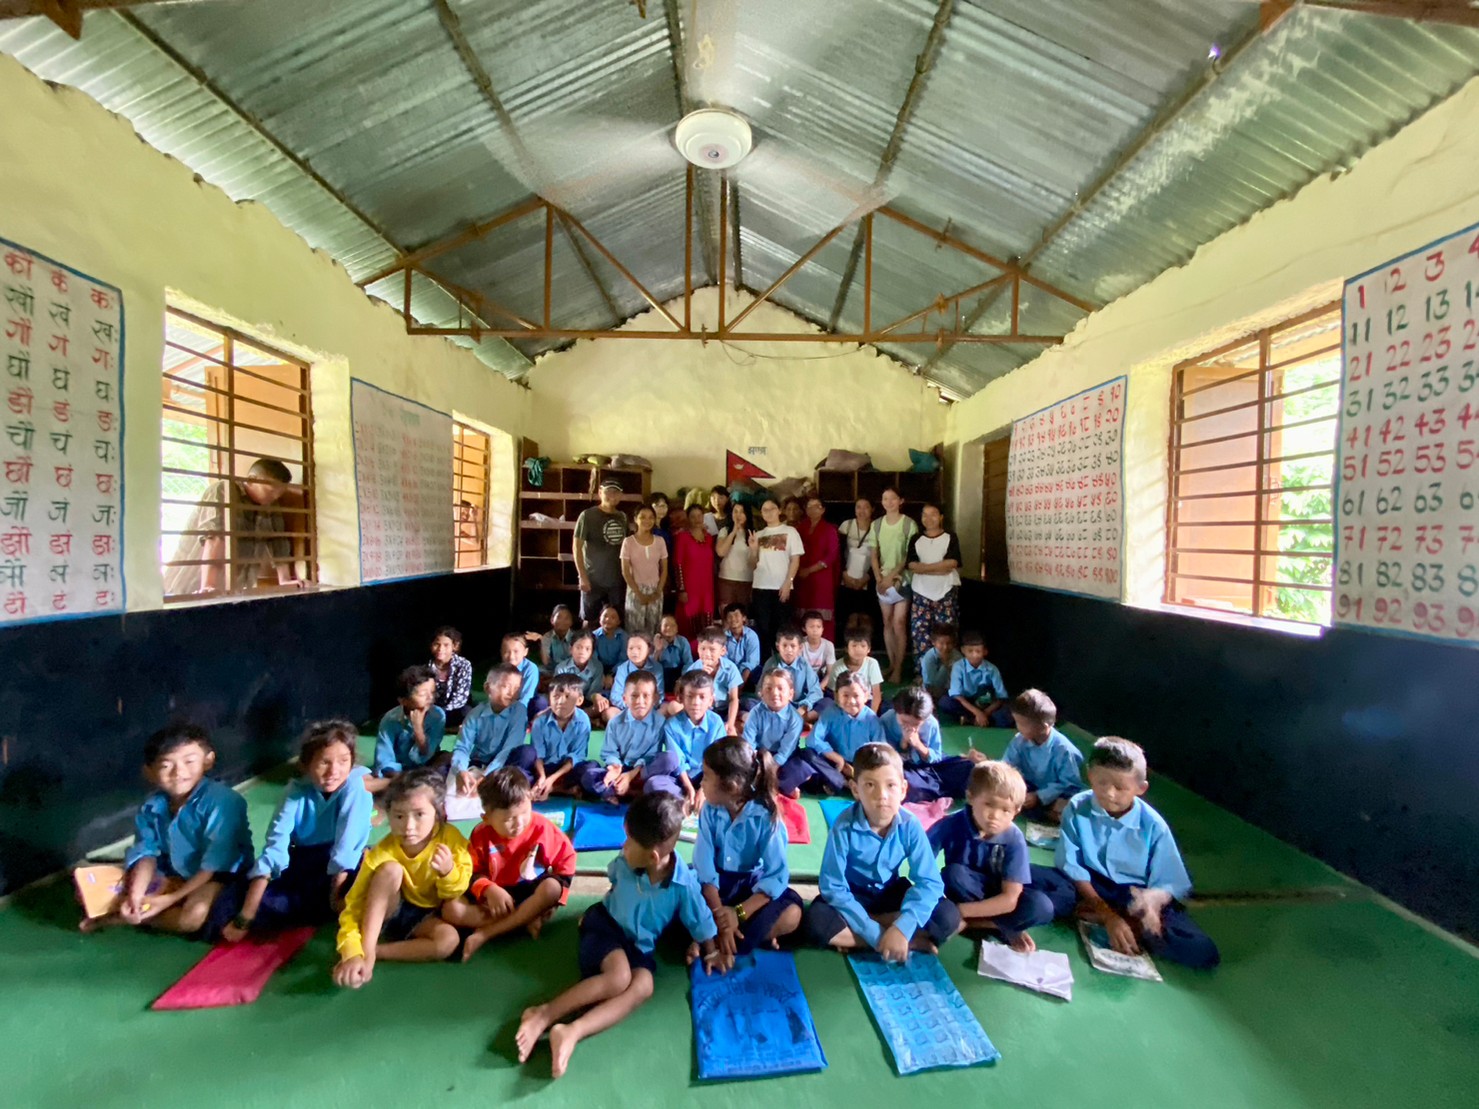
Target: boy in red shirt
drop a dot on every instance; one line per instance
(521, 865)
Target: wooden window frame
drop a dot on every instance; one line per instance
(992, 512)
(482, 483)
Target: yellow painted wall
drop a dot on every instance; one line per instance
(77, 184)
(682, 404)
(1416, 187)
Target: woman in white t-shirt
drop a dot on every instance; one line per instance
(890, 540)
(775, 554)
(733, 549)
(855, 596)
(934, 562)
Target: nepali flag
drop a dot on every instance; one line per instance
(737, 469)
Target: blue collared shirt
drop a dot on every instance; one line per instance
(1136, 849)
(626, 670)
(806, 691)
(743, 650)
(842, 734)
(529, 677)
(306, 817)
(936, 670)
(554, 745)
(610, 649)
(751, 843)
(557, 648)
(778, 732)
(677, 655)
(1000, 858)
(971, 682)
(395, 746)
(857, 857)
(643, 910)
(929, 732)
(689, 741)
(726, 678)
(631, 742)
(488, 737)
(210, 832)
(1052, 770)
(592, 673)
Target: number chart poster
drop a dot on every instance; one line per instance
(403, 480)
(61, 492)
(1065, 494)
(1407, 505)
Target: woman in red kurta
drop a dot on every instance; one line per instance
(693, 555)
(816, 579)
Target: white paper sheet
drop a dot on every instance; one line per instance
(1042, 971)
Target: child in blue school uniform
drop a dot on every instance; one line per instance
(639, 658)
(554, 645)
(315, 841)
(724, 674)
(1118, 864)
(491, 733)
(741, 643)
(191, 838)
(773, 724)
(936, 664)
(633, 739)
(824, 765)
(651, 886)
(559, 741)
(910, 728)
(806, 691)
(516, 654)
(610, 640)
(977, 695)
(1047, 760)
(987, 870)
(584, 664)
(740, 852)
(410, 735)
(861, 879)
(673, 652)
(685, 738)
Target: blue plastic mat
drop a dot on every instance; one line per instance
(599, 827)
(753, 1022)
(921, 1015)
(560, 813)
(833, 807)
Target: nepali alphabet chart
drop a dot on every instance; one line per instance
(61, 492)
(1407, 504)
(1065, 497)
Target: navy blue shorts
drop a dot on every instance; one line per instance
(400, 924)
(522, 891)
(600, 935)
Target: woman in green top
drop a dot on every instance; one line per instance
(890, 541)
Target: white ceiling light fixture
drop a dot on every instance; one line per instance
(713, 138)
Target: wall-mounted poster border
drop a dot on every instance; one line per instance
(60, 328)
(1046, 549)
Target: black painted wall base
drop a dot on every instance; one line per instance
(1360, 749)
(79, 697)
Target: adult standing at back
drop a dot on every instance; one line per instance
(775, 552)
(934, 560)
(816, 580)
(599, 533)
(891, 539)
(855, 597)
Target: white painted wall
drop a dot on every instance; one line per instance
(77, 184)
(682, 404)
(1418, 186)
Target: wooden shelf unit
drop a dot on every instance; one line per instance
(546, 550)
(841, 489)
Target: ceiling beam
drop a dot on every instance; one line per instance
(1457, 13)
(526, 207)
(922, 66)
(67, 14)
(709, 235)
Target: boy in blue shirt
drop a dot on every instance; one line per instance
(610, 640)
(632, 740)
(559, 741)
(673, 651)
(1047, 760)
(191, 832)
(639, 657)
(650, 886)
(977, 695)
(806, 691)
(936, 663)
(491, 732)
(825, 764)
(774, 724)
(584, 664)
(685, 738)
(410, 734)
(987, 869)
(860, 879)
(516, 654)
(724, 674)
(910, 728)
(1118, 865)
(741, 643)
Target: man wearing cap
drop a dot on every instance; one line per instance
(599, 532)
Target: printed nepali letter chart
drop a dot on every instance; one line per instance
(61, 493)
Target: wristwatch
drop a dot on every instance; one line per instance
(739, 913)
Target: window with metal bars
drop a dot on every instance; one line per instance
(236, 505)
(1250, 525)
(471, 478)
(994, 511)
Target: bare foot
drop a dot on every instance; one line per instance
(562, 1041)
(535, 926)
(90, 924)
(1022, 943)
(924, 944)
(531, 1027)
(472, 943)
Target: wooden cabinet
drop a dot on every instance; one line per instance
(840, 490)
(546, 558)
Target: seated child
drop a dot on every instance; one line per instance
(819, 653)
(825, 764)
(1047, 760)
(639, 657)
(584, 664)
(741, 643)
(685, 738)
(618, 936)
(559, 741)
(936, 663)
(773, 724)
(453, 675)
(673, 651)
(977, 694)
(863, 900)
(521, 865)
(492, 732)
(610, 640)
(191, 831)
(724, 674)
(554, 645)
(392, 911)
(633, 739)
(911, 729)
(315, 841)
(987, 872)
(857, 659)
(516, 654)
(1117, 864)
(740, 853)
(805, 690)
(410, 734)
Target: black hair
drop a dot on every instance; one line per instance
(503, 789)
(270, 469)
(517, 637)
(641, 677)
(695, 679)
(743, 770)
(451, 633)
(573, 682)
(322, 734)
(940, 631)
(811, 614)
(735, 607)
(738, 506)
(780, 674)
(1113, 753)
(502, 670)
(614, 609)
(789, 631)
(566, 609)
(413, 678)
(875, 756)
(914, 700)
(712, 634)
(858, 635)
(584, 635)
(644, 638)
(168, 740)
(1034, 704)
(719, 489)
(654, 818)
(408, 782)
(972, 639)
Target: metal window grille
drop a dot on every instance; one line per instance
(994, 511)
(471, 480)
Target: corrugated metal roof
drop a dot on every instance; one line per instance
(1028, 103)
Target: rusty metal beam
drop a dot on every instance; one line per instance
(458, 238)
(479, 304)
(823, 338)
(621, 269)
(67, 14)
(1456, 13)
(783, 278)
(676, 50)
(941, 303)
(586, 264)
